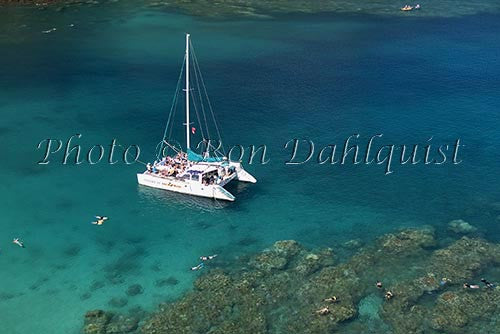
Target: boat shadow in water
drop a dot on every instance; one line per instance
(243, 191)
(155, 197)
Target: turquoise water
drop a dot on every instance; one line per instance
(112, 75)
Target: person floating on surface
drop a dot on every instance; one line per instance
(488, 284)
(49, 31)
(332, 299)
(471, 286)
(323, 311)
(389, 295)
(100, 220)
(198, 267)
(206, 258)
(378, 284)
(18, 242)
(444, 280)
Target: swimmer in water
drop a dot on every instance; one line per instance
(18, 242)
(332, 299)
(100, 220)
(488, 284)
(389, 295)
(49, 31)
(206, 258)
(470, 286)
(378, 284)
(198, 267)
(444, 281)
(323, 311)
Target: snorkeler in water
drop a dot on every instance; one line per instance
(198, 267)
(323, 311)
(444, 281)
(18, 242)
(332, 299)
(206, 258)
(470, 286)
(488, 284)
(100, 220)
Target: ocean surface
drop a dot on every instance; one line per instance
(109, 73)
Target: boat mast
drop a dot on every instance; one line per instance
(187, 92)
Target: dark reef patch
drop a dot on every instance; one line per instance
(134, 290)
(38, 283)
(118, 302)
(72, 251)
(247, 241)
(9, 295)
(156, 267)
(127, 264)
(85, 296)
(169, 281)
(96, 285)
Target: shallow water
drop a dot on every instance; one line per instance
(112, 75)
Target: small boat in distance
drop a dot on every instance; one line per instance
(188, 172)
(408, 8)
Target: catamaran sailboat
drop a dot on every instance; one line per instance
(188, 172)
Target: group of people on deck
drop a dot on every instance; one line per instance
(176, 166)
(216, 176)
(169, 166)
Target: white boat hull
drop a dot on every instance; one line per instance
(184, 187)
(241, 174)
(196, 174)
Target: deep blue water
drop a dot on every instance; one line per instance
(322, 78)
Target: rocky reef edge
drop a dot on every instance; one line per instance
(282, 290)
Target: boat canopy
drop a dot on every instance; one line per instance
(201, 168)
(195, 157)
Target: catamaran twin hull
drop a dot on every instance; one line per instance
(194, 187)
(191, 173)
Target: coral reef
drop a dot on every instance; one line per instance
(455, 310)
(96, 322)
(461, 226)
(101, 322)
(281, 290)
(447, 268)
